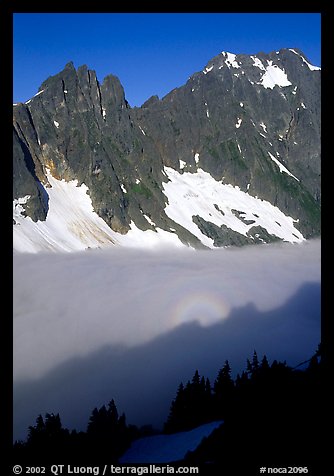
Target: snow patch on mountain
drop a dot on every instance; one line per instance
(192, 194)
(274, 76)
(207, 70)
(238, 124)
(282, 168)
(258, 63)
(73, 225)
(148, 239)
(230, 60)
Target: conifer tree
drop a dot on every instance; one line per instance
(223, 388)
(177, 414)
(48, 434)
(255, 364)
(36, 433)
(107, 432)
(196, 379)
(241, 379)
(192, 405)
(112, 413)
(264, 363)
(249, 368)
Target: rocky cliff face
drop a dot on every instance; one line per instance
(246, 125)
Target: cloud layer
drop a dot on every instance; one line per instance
(97, 325)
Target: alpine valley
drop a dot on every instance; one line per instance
(230, 158)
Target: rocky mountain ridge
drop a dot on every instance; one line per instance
(230, 158)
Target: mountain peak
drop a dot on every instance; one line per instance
(220, 161)
(69, 65)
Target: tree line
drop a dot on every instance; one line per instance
(266, 407)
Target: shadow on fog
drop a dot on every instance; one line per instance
(143, 380)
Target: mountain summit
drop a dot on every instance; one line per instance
(230, 158)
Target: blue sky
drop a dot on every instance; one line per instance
(151, 53)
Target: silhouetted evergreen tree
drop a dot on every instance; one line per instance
(47, 434)
(241, 379)
(223, 389)
(107, 432)
(176, 420)
(192, 405)
(36, 433)
(253, 366)
(264, 363)
(255, 362)
(113, 413)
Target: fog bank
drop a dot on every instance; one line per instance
(102, 324)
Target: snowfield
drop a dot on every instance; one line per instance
(191, 194)
(73, 225)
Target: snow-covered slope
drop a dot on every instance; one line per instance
(72, 224)
(167, 448)
(192, 194)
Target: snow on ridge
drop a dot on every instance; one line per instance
(282, 168)
(311, 66)
(184, 204)
(206, 70)
(39, 92)
(230, 60)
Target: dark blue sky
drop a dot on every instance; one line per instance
(151, 53)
